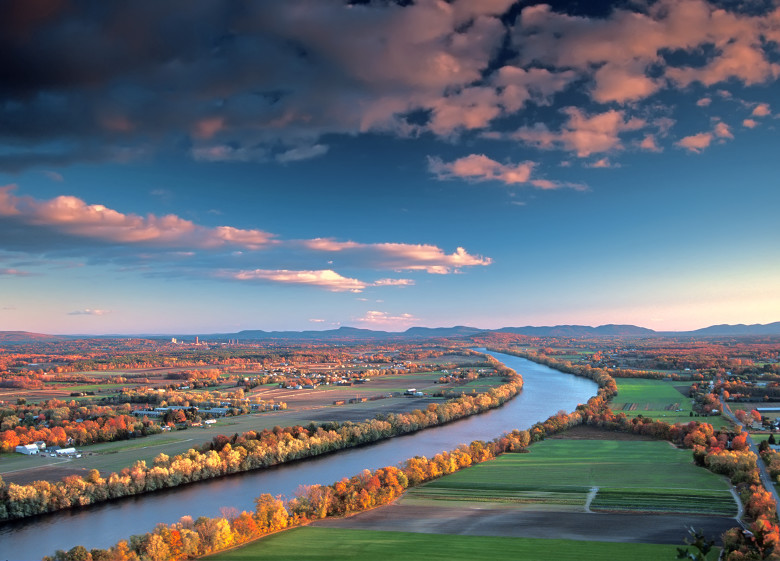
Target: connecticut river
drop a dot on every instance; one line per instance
(545, 392)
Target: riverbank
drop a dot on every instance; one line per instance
(545, 392)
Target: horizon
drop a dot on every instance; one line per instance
(391, 331)
(464, 163)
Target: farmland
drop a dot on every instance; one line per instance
(334, 543)
(658, 399)
(602, 474)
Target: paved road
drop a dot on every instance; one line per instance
(766, 479)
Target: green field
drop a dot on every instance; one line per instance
(657, 399)
(651, 398)
(630, 475)
(321, 544)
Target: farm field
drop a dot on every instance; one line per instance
(306, 406)
(658, 399)
(646, 476)
(323, 544)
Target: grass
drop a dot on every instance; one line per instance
(321, 544)
(631, 475)
(714, 503)
(657, 399)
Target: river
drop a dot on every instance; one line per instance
(545, 392)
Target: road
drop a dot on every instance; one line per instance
(766, 479)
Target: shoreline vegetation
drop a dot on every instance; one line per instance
(715, 450)
(249, 451)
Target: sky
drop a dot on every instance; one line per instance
(190, 167)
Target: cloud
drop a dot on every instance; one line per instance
(478, 167)
(704, 102)
(14, 273)
(393, 282)
(722, 130)
(72, 216)
(582, 134)
(374, 317)
(603, 163)
(697, 142)
(302, 153)
(54, 176)
(317, 320)
(327, 279)
(648, 143)
(402, 257)
(629, 55)
(89, 312)
(761, 110)
(749, 123)
(265, 82)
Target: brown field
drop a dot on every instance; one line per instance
(626, 528)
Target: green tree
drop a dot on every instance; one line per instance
(701, 546)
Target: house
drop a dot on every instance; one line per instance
(27, 449)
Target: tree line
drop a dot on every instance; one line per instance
(249, 451)
(719, 451)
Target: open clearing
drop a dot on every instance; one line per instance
(635, 476)
(659, 399)
(320, 544)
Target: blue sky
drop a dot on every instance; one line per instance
(199, 167)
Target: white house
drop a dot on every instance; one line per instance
(27, 449)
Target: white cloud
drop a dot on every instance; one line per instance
(402, 257)
(89, 312)
(374, 317)
(302, 153)
(326, 278)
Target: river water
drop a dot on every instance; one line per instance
(545, 392)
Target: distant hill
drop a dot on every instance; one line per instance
(579, 331)
(740, 329)
(461, 331)
(17, 337)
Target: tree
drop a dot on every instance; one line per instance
(700, 545)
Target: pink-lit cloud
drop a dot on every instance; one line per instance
(478, 167)
(582, 134)
(403, 257)
(762, 110)
(722, 130)
(649, 144)
(750, 123)
(375, 64)
(704, 102)
(73, 216)
(696, 142)
(14, 273)
(603, 163)
(623, 84)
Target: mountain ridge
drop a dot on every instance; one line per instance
(355, 333)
